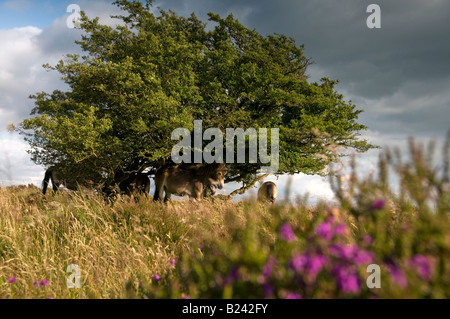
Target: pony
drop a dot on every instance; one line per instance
(191, 180)
(139, 183)
(53, 175)
(267, 192)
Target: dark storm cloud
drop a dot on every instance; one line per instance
(412, 43)
(404, 61)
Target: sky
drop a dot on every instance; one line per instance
(399, 74)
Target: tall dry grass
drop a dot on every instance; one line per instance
(224, 249)
(113, 245)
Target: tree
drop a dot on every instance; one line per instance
(153, 73)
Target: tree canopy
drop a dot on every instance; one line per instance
(153, 73)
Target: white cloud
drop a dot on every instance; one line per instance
(23, 52)
(21, 73)
(16, 166)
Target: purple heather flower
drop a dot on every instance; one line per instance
(310, 265)
(345, 252)
(422, 265)
(271, 262)
(298, 262)
(397, 275)
(363, 257)
(315, 265)
(351, 253)
(367, 239)
(287, 232)
(12, 279)
(186, 297)
(324, 230)
(347, 279)
(340, 229)
(156, 277)
(44, 282)
(232, 276)
(293, 295)
(35, 283)
(378, 204)
(267, 290)
(172, 262)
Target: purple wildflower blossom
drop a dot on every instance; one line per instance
(186, 297)
(35, 283)
(44, 282)
(293, 295)
(340, 229)
(315, 265)
(422, 265)
(351, 253)
(232, 276)
(156, 277)
(267, 290)
(287, 232)
(271, 262)
(363, 257)
(378, 204)
(347, 279)
(367, 239)
(345, 252)
(172, 262)
(308, 265)
(397, 275)
(12, 279)
(298, 262)
(325, 230)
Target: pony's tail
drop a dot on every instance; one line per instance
(47, 175)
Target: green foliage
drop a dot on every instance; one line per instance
(153, 73)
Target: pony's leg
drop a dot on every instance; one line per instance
(156, 195)
(55, 186)
(198, 191)
(159, 190)
(167, 197)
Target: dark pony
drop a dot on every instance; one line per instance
(138, 183)
(53, 175)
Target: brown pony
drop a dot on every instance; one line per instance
(191, 180)
(267, 192)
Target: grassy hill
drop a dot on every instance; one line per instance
(226, 249)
